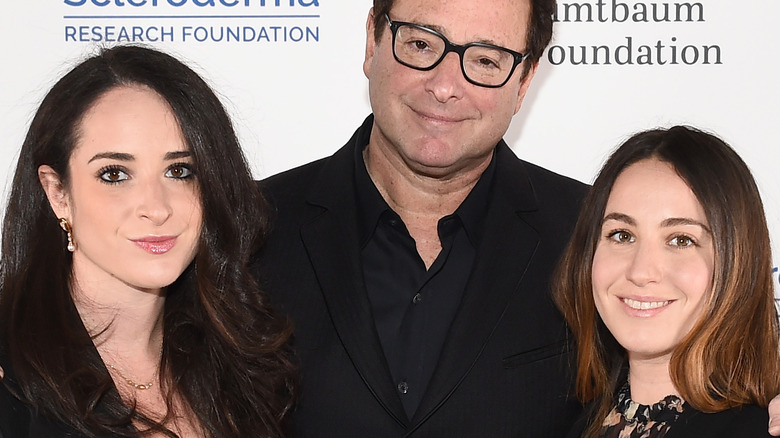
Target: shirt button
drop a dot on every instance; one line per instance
(403, 387)
(417, 298)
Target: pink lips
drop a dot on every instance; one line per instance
(156, 244)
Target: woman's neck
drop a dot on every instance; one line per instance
(650, 381)
(126, 324)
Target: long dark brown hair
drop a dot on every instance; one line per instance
(731, 355)
(225, 353)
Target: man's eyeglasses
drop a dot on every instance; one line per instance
(482, 64)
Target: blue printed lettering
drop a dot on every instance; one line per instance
(270, 34)
(168, 34)
(775, 271)
(70, 33)
(122, 34)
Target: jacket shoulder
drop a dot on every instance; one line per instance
(748, 421)
(548, 197)
(291, 181)
(546, 182)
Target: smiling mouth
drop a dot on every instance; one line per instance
(437, 118)
(644, 305)
(156, 245)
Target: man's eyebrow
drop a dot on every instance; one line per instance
(442, 31)
(435, 27)
(112, 156)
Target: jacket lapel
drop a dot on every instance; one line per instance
(507, 241)
(332, 242)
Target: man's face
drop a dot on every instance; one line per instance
(435, 122)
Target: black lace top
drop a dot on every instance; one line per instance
(629, 419)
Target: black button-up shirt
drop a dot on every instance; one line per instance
(412, 307)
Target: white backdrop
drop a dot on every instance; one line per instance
(290, 73)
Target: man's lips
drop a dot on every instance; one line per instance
(156, 244)
(439, 118)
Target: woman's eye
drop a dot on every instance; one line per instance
(113, 175)
(179, 171)
(621, 236)
(681, 241)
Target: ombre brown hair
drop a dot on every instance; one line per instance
(539, 34)
(730, 357)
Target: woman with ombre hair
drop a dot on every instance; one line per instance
(666, 285)
(126, 306)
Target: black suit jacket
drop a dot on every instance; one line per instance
(505, 368)
(17, 419)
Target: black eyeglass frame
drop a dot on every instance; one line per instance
(457, 48)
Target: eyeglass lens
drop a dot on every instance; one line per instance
(421, 48)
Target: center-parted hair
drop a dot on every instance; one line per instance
(225, 352)
(730, 357)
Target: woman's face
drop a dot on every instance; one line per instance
(652, 270)
(133, 200)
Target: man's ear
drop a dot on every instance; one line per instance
(370, 43)
(524, 85)
(55, 190)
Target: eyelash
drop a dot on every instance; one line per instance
(186, 166)
(611, 235)
(102, 173)
(691, 241)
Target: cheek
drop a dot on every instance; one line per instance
(601, 277)
(511, 97)
(693, 277)
(190, 212)
(188, 207)
(603, 271)
(386, 73)
(95, 209)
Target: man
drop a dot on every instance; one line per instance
(416, 260)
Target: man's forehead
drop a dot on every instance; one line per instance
(499, 22)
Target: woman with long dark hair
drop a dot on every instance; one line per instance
(666, 285)
(126, 305)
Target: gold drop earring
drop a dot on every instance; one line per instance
(65, 225)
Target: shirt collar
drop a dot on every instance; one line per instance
(471, 212)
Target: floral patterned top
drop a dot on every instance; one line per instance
(629, 419)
